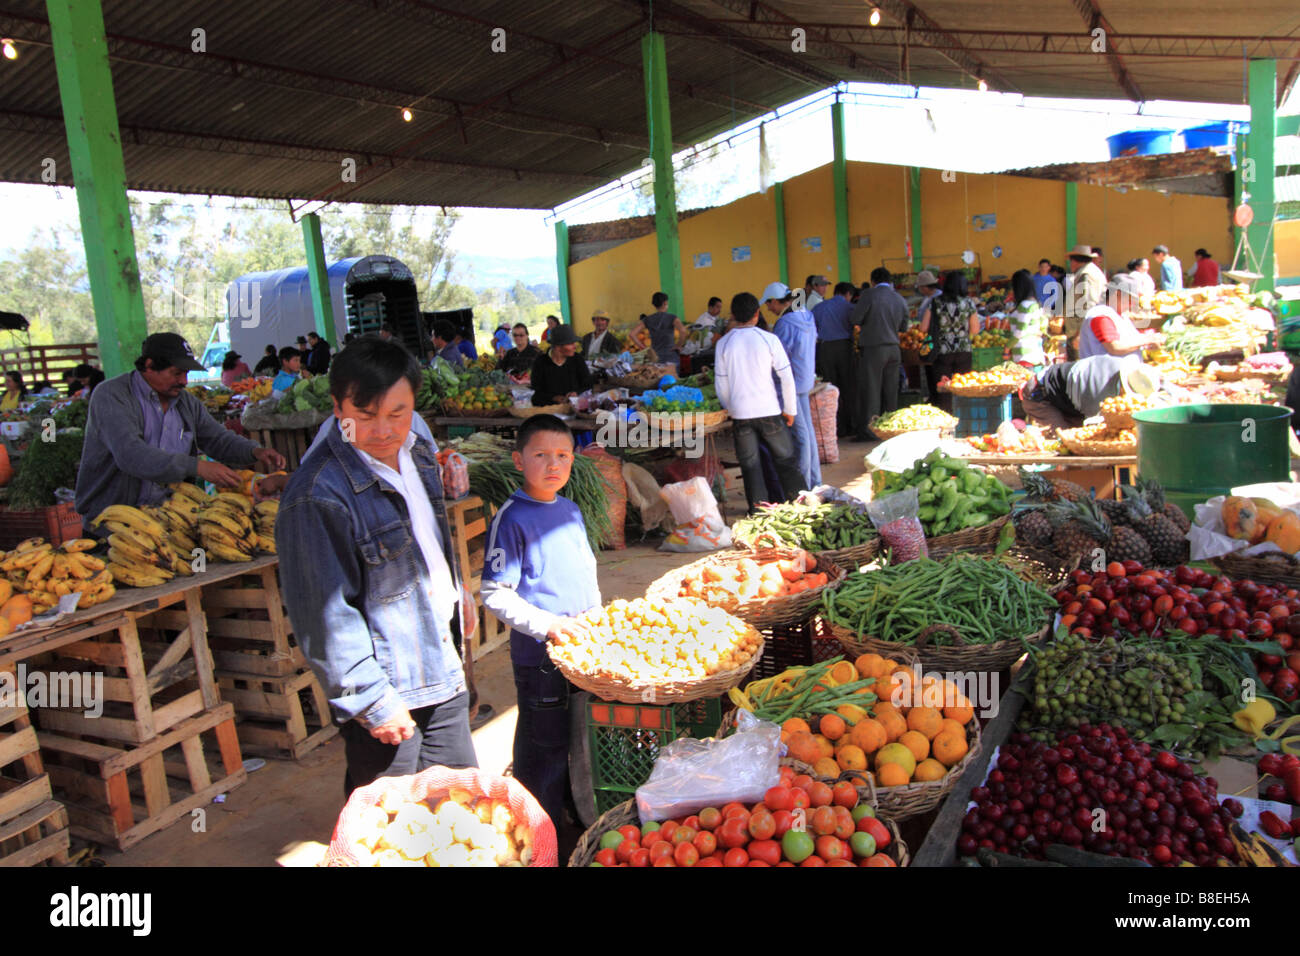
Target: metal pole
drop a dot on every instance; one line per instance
(915, 201)
(655, 66)
(95, 148)
(840, 174)
(1258, 171)
(782, 253)
(1071, 215)
(321, 304)
(562, 268)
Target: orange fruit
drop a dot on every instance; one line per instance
(896, 753)
(894, 724)
(869, 734)
(824, 746)
(826, 767)
(929, 769)
(793, 726)
(803, 747)
(948, 725)
(832, 726)
(891, 775)
(17, 610)
(852, 758)
(896, 689)
(926, 720)
(949, 748)
(960, 708)
(867, 664)
(916, 742)
(843, 673)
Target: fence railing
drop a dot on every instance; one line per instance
(37, 363)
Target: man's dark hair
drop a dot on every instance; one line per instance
(160, 363)
(444, 330)
(1202, 253)
(1133, 264)
(1096, 252)
(714, 300)
(289, 352)
(807, 283)
(389, 328)
(1159, 249)
(1022, 285)
(312, 336)
(1058, 271)
(270, 350)
(539, 423)
(954, 284)
(349, 338)
(368, 368)
(658, 299)
(744, 306)
(1041, 261)
(880, 274)
(519, 325)
(844, 287)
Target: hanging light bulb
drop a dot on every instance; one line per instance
(406, 114)
(875, 16)
(983, 86)
(10, 51)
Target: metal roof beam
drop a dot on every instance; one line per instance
(923, 31)
(1093, 16)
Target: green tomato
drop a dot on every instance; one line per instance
(650, 827)
(797, 845)
(611, 840)
(862, 810)
(862, 844)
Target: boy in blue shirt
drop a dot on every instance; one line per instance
(538, 576)
(290, 366)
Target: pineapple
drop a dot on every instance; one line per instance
(1081, 528)
(1116, 513)
(1033, 527)
(1127, 545)
(1167, 545)
(1041, 488)
(1155, 497)
(1068, 490)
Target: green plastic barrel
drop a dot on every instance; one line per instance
(1199, 451)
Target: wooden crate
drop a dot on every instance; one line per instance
(117, 795)
(156, 671)
(469, 519)
(248, 629)
(292, 443)
(278, 716)
(33, 825)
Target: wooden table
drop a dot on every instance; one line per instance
(584, 423)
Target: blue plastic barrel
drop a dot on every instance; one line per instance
(1141, 142)
(1222, 133)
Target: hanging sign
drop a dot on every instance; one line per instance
(740, 253)
(703, 260)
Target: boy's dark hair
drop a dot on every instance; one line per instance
(270, 350)
(1022, 285)
(954, 284)
(539, 423)
(519, 325)
(658, 299)
(1202, 253)
(368, 368)
(880, 274)
(714, 300)
(444, 330)
(842, 288)
(1041, 261)
(744, 306)
(288, 352)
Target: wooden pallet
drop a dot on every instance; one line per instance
(118, 795)
(248, 629)
(33, 826)
(156, 671)
(469, 519)
(279, 716)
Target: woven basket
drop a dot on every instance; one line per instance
(645, 377)
(1274, 568)
(663, 421)
(983, 391)
(1046, 568)
(459, 411)
(913, 799)
(884, 434)
(783, 610)
(960, 657)
(1089, 447)
(676, 692)
(986, 534)
(1240, 373)
(584, 854)
(852, 558)
(528, 411)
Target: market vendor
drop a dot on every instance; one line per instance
(1065, 394)
(290, 371)
(560, 374)
(15, 391)
(144, 431)
(600, 341)
(519, 360)
(1106, 332)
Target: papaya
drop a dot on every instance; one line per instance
(1284, 531)
(1267, 511)
(1241, 517)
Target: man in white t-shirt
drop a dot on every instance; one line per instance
(746, 360)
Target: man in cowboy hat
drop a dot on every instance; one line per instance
(1066, 393)
(1087, 289)
(601, 341)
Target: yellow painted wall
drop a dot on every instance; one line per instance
(1030, 224)
(1129, 225)
(1286, 247)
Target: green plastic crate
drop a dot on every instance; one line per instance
(982, 359)
(625, 739)
(460, 431)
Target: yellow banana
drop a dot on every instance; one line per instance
(138, 578)
(269, 507)
(87, 561)
(79, 544)
(216, 534)
(178, 521)
(125, 543)
(266, 543)
(101, 580)
(23, 560)
(182, 567)
(223, 519)
(60, 567)
(126, 555)
(29, 544)
(227, 553)
(191, 491)
(39, 570)
(63, 587)
(132, 518)
(242, 502)
(183, 543)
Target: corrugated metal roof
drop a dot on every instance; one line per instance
(286, 91)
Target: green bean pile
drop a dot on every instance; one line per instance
(985, 600)
(495, 481)
(815, 527)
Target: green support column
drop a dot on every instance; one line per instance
(1071, 215)
(782, 253)
(95, 147)
(840, 174)
(562, 268)
(918, 262)
(654, 63)
(321, 305)
(1260, 162)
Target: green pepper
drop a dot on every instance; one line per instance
(925, 484)
(955, 464)
(948, 501)
(927, 498)
(961, 511)
(970, 480)
(938, 474)
(927, 514)
(976, 520)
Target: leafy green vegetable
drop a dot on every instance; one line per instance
(45, 466)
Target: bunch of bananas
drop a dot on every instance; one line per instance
(486, 362)
(1254, 850)
(46, 574)
(221, 524)
(264, 515)
(139, 550)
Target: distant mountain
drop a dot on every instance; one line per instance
(479, 272)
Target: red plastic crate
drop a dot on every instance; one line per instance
(56, 524)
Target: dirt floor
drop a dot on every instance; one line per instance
(285, 813)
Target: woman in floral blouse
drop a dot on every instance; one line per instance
(951, 322)
(1028, 323)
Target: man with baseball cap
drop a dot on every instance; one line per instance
(797, 331)
(145, 431)
(814, 291)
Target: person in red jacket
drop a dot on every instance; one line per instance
(1207, 270)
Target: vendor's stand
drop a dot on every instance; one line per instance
(33, 825)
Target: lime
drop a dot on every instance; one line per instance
(611, 840)
(797, 845)
(863, 844)
(862, 810)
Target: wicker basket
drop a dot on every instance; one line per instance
(645, 377)
(625, 691)
(452, 408)
(960, 657)
(850, 559)
(983, 391)
(985, 534)
(913, 799)
(1046, 568)
(788, 609)
(1088, 447)
(584, 854)
(1274, 568)
(665, 422)
(884, 434)
(528, 411)
(1238, 373)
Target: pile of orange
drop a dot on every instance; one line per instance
(896, 742)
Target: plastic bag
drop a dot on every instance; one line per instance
(895, 517)
(692, 499)
(901, 452)
(829, 494)
(1208, 536)
(824, 404)
(693, 774)
(358, 821)
(455, 474)
(643, 495)
(702, 534)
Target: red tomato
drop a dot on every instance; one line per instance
(666, 829)
(686, 854)
(734, 809)
(1163, 605)
(683, 834)
(706, 843)
(651, 837)
(710, 818)
(664, 861)
(663, 850)
(832, 848)
(692, 822)
(623, 852)
(877, 830)
(1115, 570)
(757, 863)
(845, 795)
(709, 861)
(841, 863)
(813, 860)
(785, 863)
(766, 851)
(784, 820)
(762, 826)
(800, 798)
(844, 823)
(733, 833)
(606, 857)
(735, 857)
(819, 794)
(802, 781)
(640, 857)
(779, 798)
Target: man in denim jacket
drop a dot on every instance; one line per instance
(370, 577)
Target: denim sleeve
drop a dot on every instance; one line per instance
(322, 588)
